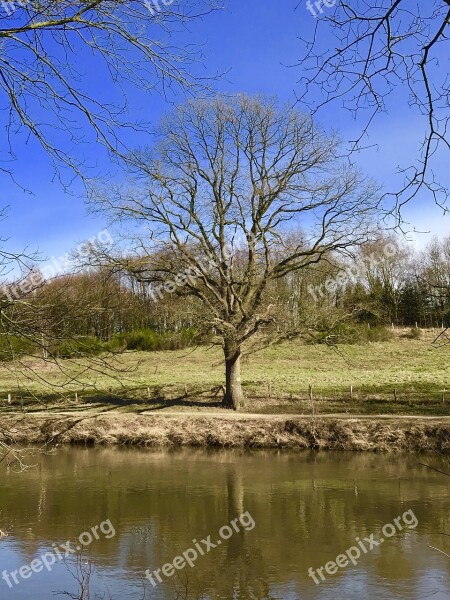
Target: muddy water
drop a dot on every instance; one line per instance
(302, 511)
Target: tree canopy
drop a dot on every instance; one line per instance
(237, 194)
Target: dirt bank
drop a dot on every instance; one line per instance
(233, 431)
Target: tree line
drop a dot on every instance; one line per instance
(386, 282)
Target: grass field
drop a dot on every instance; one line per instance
(276, 380)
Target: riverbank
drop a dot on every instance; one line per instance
(230, 430)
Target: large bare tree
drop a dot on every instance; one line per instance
(377, 56)
(237, 194)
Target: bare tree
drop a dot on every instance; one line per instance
(44, 94)
(238, 194)
(383, 273)
(366, 53)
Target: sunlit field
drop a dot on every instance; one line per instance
(403, 376)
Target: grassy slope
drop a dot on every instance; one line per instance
(276, 380)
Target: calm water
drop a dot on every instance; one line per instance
(307, 509)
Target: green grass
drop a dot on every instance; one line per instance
(418, 371)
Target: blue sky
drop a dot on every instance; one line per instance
(254, 42)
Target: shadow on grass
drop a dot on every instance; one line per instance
(157, 402)
(180, 402)
(101, 402)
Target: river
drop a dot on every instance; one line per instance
(262, 524)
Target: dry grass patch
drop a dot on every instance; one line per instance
(388, 435)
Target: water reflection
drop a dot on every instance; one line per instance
(308, 508)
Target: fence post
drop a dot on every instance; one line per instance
(310, 394)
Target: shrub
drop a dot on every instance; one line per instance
(88, 345)
(413, 334)
(141, 339)
(379, 333)
(12, 346)
(147, 340)
(352, 333)
(115, 344)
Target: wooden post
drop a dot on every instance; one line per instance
(44, 347)
(310, 394)
(76, 396)
(148, 392)
(185, 390)
(443, 396)
(351, 392)
(9, 398)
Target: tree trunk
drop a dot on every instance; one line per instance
(234, 396)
